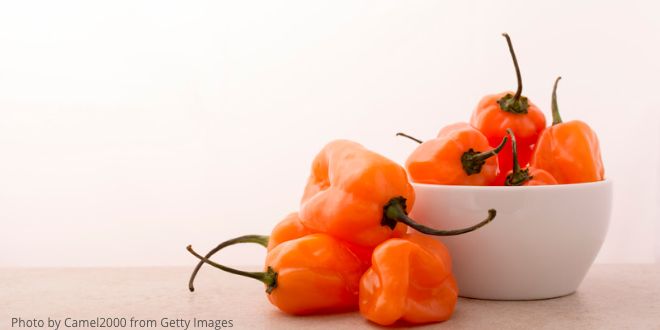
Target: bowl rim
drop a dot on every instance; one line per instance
(604, 182)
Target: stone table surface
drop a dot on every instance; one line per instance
(612, 296)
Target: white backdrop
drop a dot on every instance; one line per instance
(129, 129)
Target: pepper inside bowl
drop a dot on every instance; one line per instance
(540, 245)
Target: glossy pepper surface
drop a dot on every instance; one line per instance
(361, 197)
(313, 274)
(460, 155)
(496, 113)
(569, 150)
(410, 281)
(530, 176)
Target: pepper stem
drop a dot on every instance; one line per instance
(410, 137)
(514, 103)
(518, 176)
(515, 65)
(395, 211)
(261, 240)
(472, 161)
(556, 118)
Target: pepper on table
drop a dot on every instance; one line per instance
(288, 229)
(361, 197)
(496, 113)
(410, 280)
(569, 150)
(354, 200)
(316, 273)
(530, 176)
(459, 155)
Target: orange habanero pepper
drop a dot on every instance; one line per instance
(361, 197)
(410, 280)
(530, 176)
(457, 156)
(313, 274)
(288, 229)
(569, 151)
(495, 113)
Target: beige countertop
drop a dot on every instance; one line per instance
(625, 296)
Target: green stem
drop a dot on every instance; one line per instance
(518, 176)
(517, 103)
(556, 118)
(410, 137)
(258, 239)
(395, 211)
(515, 64)
(472, 161)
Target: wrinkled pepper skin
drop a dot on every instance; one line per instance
(569, 150)
(410, 281)
(493, 122)
(347, 190)
(291, 228)
(288, 229)
(316, 274)
(439, 161)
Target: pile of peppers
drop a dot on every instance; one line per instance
(477, 153)
(349, 246)
(352, 246)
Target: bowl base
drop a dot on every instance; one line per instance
(517, 299)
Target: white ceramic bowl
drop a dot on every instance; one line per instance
(540, 245)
